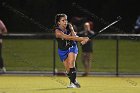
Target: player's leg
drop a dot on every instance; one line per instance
(66, 64)
(88, 62)
(69, 64)
(1, 60)
(67, 68)
(70, 61)
(85, 63)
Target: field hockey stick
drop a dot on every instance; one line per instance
(94, 35)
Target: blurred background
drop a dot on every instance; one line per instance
(44, 11)
(30, 43)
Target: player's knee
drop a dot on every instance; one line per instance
(71, 64)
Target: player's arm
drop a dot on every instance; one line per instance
(73, 33)
(3, 27)
(61, 35)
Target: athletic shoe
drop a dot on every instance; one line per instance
(3, 70)
(72, 85)
(77, 84)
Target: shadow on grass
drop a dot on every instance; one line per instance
(51, 89)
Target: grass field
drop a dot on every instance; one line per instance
(37, 55)
(45, 84)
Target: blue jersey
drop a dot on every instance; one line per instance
(66, 46)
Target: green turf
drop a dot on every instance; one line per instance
(37, 55)
(44, 84)
(28, 54)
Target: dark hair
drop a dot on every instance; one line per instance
(58, 17)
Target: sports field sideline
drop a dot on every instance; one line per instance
(57, 84)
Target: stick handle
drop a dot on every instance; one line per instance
(118, 19)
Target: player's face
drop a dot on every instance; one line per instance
(87, 26)
(63, 22)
